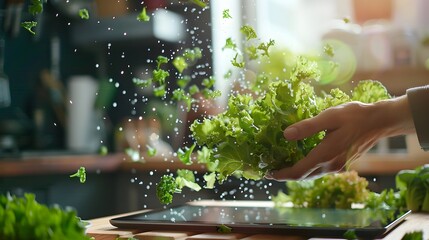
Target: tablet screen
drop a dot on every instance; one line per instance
(258, 219)
(352, 218)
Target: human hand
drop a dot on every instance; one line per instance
(351, 130)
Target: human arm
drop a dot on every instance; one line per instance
(351, 130)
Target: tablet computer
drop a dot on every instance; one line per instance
(254, 217)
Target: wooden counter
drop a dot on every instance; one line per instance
(101, 229)
(387, 164)
(378, 164)
(68, 164)
(58, 164)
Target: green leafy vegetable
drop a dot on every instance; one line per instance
(143, 17)
(210, 94)
(204, 157)
(338, 190)
(265, 47)
(262, 49)
(186, 178)
(159, 76)
(180, 63)
(35, 7)
(83, 13)
(417, 235)
(165, 189)
(159, 91)
(161, 60)
(183, 81)
(193, 89)
(181, 95)
(226, 14)
(29, 26)
(224, 229)
(236, 62)
(192, 54)
(25, 218)
(170, 185)
(387, 199)
(151, 151)
(81, 174)
(186, 174)
(184, 155)
(229, 43)
(249, 32)
(252, 52)
(208, 82)
(414, 184)
(210, 180)
(350, 234)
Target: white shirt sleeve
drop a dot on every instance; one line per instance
(418, 99)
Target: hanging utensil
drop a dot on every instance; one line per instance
(4, 80)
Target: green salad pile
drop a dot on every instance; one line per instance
(247, 139)
(337, 190)
(25, 218)
(344, 190)
(414, 186)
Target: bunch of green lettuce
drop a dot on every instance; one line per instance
(247, 138)
(337, 190)
(414, 185)
(24, 218)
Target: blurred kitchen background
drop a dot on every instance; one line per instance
(68, 99)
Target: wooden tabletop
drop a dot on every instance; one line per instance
(379, 164)
(101, 229)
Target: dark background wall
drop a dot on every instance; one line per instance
(27, 56)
